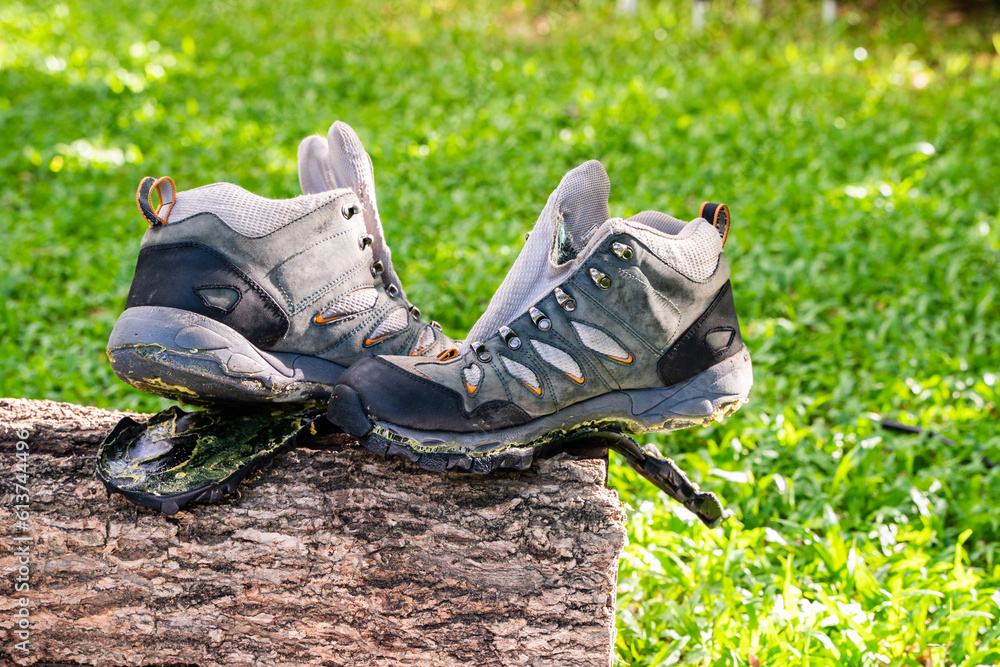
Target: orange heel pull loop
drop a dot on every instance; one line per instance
(718, 215)
(166, 192)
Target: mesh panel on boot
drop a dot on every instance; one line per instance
(353, 302)
(667, 224)
(559, 359)
(394, 322)
(245, 212)
(472, 375)
(600, 342)
(426, 339)
(694, 254)
(583, 207)
(522, 373)
(314, 174)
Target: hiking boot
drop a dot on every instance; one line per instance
(239, 299)
(602, 323)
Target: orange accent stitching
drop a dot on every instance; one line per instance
(447, 355)
(624, 361)
(469, 388)
(319, 319)
(575, 379)
(369, 341)
(537, 391)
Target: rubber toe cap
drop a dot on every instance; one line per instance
(375, 389)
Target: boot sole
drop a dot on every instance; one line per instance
(710, 396)
(210, 493)
(128, 432)
(194, 359)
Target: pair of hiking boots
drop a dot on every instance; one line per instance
(602, 324)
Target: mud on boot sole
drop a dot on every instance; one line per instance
(194, 359)
(710, 396)
(172, 504)
(179, 457)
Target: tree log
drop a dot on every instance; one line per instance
(328, 558)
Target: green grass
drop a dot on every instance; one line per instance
(864, 187)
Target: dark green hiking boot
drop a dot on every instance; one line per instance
(602, 323)
(239, 299)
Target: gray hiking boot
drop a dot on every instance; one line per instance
(242, 299)
(602, 323)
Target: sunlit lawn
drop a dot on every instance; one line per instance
(860, 163)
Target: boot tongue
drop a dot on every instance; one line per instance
(577, 208)
(340, 161)
(315, 174)
(574, 211)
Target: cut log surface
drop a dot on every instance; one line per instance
(328, 558)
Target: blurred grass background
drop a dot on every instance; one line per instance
(860, 164)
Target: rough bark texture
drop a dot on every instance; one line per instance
(56, 428)
(329, 558)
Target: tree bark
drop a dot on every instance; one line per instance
(328, 558)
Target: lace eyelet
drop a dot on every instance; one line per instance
(366, 241)
(509, 337)
(600, 279)
(350, 210)
(623, 251)
(565, 300)
(481, 352)
(377, 269)
(392, 291)
(541, 321)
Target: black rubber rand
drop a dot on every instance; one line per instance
(415, 402)
(713, 338)
(170, 276)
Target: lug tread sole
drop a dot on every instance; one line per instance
(710, 397)
(203, 379)
(521, 457)
(210, 493)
